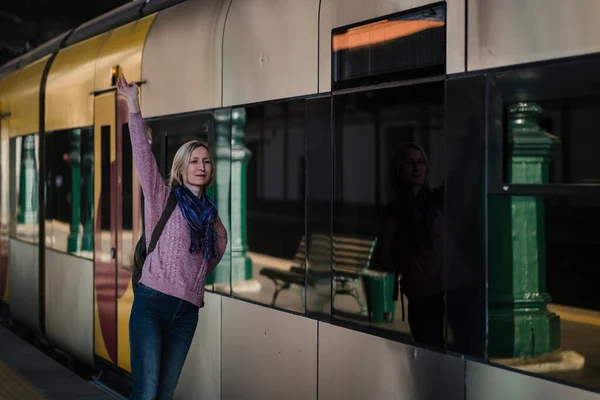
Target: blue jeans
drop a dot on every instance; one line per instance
(161, 328)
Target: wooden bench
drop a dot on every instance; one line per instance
(350, 256)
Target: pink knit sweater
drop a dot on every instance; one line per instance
(170, 268)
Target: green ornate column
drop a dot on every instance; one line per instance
(241, 265)
(75, 164)
(28, 183)
(87, 186)
(222, 190)
(520, 324)
(232, 159)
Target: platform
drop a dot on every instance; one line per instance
(28, 374)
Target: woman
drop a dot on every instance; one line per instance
(164, 314)
(410, 244)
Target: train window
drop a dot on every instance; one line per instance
(558, 133)
(24, 188)
(544, 309)
(267, 173)
(544, 306)
(389, 211)
(464, 210)
(69, 191)
(168, 134)
(318, 207)
(129, 212)
(544, 120)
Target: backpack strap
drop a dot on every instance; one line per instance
(166, 214)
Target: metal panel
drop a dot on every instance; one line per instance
(25, 99)
(69, 103)
(69, 304)
(455, 36)
(270, 50)
(201, 375)
(354, 365)
(267, 354)
(183, 57)
(11, 66)
(23, 283)
(49, 47)
(119, 16)
(157, 5)
(338, 13)
(123, 48)
(506, 32)
(465, 262)
(490, 383)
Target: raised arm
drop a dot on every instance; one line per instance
(152, 183)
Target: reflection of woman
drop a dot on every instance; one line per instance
(164, 314)
(410, 243)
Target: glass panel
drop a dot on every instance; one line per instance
(318, 206)
(168, 135)
(13, 189)
(388, 210)
(69, 191)
(464, 189)
(50, 186)
(550, 114)
(220, 278)
(267, 182)
(105, 210)
(87, 193)
(543, 297)
(395, 47)
(24, 187)
(565, 128)
(129, 239)
(5, 163)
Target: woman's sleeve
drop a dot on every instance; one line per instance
(152, 182)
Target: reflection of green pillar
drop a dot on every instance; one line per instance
(232, 159)
(222, 150)
(520, 324)
(28, 185)
(75, 164)
(87, 186)
(241, 265)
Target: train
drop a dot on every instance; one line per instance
(304, 104)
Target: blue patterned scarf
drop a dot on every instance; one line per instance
(200, 214)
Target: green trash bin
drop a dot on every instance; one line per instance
(379, 288)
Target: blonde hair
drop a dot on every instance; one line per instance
(182, 160)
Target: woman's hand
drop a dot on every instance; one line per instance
(130, 91)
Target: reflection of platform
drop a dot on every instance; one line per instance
(580, 332)
(560, 360)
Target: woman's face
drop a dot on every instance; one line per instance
(415, 168)
(199, 168)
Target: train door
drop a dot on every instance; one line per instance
(117, 200)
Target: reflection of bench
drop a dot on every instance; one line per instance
(351, 255)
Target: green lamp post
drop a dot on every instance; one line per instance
(87, 186)
(520, 324)
(75, 164)
(232, 159)
(28, 183)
